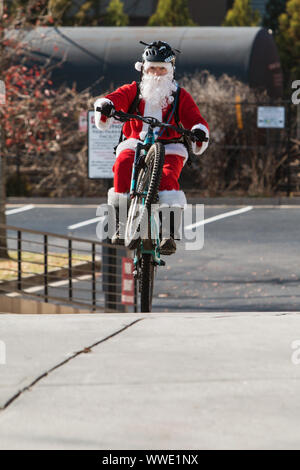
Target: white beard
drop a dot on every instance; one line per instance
(158, 90)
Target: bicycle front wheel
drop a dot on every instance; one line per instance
(147, 188)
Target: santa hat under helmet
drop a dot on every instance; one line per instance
(158, 54)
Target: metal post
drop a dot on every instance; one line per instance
(70, 271)
(94, 276)
(135, 296)
(112, 271)
(46, 267)
(112, 279)
(19, 254)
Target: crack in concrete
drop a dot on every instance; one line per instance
(85, 350)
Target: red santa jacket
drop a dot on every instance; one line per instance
(135, 130)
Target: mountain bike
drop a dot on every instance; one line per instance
(142, 232)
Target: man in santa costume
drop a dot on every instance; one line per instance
(158, 94)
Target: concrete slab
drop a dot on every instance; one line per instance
(35, 344)
(184, 381)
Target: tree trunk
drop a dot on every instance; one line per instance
(3, 242)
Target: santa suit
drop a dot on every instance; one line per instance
(175, 153)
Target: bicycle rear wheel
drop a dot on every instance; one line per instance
(148, 182)
(146, 282)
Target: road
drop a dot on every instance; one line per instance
(250, 261)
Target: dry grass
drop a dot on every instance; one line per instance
(241, 161)
(33, 263)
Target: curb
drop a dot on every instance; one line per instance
(225, 201)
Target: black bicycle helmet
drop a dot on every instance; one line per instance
(158, 51)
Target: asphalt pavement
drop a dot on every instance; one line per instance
(249, 262)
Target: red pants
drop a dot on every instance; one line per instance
(123, 167)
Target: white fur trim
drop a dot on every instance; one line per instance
(153, 111)
(102, 126)
(138, 66)
(170, 149)
(127, 144)
(176, 149)
(114, 198)
(172, 198)
(166, 65)
(199, 149)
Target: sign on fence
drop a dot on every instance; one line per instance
(271, 117)
(101, 145)
(127, 282)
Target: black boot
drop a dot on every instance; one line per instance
(119, 236)
(170, 226)
(120, 202)
(167, 246)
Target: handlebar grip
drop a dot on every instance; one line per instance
(194, 139)
(112, 113)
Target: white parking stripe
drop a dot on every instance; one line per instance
(85, 222)
(218, 217)
(189, 227)
(20, 209)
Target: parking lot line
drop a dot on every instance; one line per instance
(219, 217)
(19, 209)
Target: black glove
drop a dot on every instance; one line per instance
(199, 135)
(106, 109)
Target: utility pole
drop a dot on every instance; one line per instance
(3, 242)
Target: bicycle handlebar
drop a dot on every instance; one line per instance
(153, 122)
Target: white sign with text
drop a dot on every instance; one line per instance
(101, 145)
(271, 117)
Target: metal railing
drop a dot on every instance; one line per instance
(61, 269)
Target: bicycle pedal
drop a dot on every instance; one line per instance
(159, 263)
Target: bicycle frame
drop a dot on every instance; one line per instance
(140, 154)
